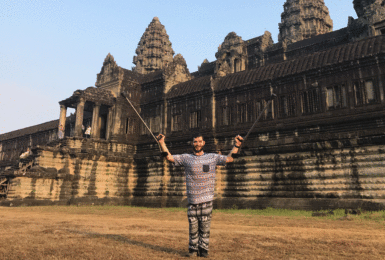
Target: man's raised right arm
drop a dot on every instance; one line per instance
(162, 143)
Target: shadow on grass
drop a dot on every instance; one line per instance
(129, 241)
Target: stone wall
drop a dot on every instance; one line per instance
(74, 169)
(327, 177)
(11, 149)
(334, 174)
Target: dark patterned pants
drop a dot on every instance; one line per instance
(199, 218)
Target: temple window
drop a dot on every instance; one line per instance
(336, 97)
(311, 102)
(176, 117)
(242, 113)
(195, 119)
(195, 106)
(366, 93)
(287, 106)
(143, 128)
(130, 126)
(153, 119)
(156, 124)
(268, 114)
(370, 95)
(236, 63)
(176, 123)
(226, 115)
(358, 97)
(258, 109)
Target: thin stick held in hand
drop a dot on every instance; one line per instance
(259, 117)
(256, 121)
(156, 139)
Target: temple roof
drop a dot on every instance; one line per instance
(132, 75)
(97, 95)
(30, 130)
(339, 54)
(336, 55)
(206, 68)
(152, 76)
(189, 87)
(321, 39)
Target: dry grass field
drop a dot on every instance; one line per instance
(139, 233)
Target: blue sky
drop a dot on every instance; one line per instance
(49, 49)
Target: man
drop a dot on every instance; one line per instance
(88, 132)
(200, 183)
(26, 154)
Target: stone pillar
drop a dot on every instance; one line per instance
(165, 117)
(63, 116)
(95, 128)
(109, 124)
(79, 118)
(116, 131)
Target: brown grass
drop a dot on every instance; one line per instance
(138, 233)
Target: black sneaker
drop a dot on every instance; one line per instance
(192, 253)
(203, 252)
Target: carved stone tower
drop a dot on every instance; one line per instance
(231, 55)
(176, 72)
(154, 49)
(109, 73)
(371, 10)
(303, 19)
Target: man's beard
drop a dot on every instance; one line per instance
(198, 151)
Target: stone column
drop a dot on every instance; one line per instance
(79, 118)
(109, 124)
(164, 129)
(95, 128)
(116, 131)
(63, 116)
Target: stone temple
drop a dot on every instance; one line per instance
(320, 143)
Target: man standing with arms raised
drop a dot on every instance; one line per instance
(200, 183)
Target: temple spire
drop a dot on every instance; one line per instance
(154, 49)
(303, 19)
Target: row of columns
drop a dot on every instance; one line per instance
(95, 127)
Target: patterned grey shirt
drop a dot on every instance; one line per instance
(200, 175)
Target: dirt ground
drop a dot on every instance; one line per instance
(138, 233)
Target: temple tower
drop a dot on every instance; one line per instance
(303, 19)
(154, 49)
(231, 55)
(371, 10)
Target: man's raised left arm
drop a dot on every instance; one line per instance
(238, 143)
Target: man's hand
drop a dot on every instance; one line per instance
(162, 143)
(238, 143)
(161, 138)
(238, 140)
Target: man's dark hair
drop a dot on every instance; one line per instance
(197, 135)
